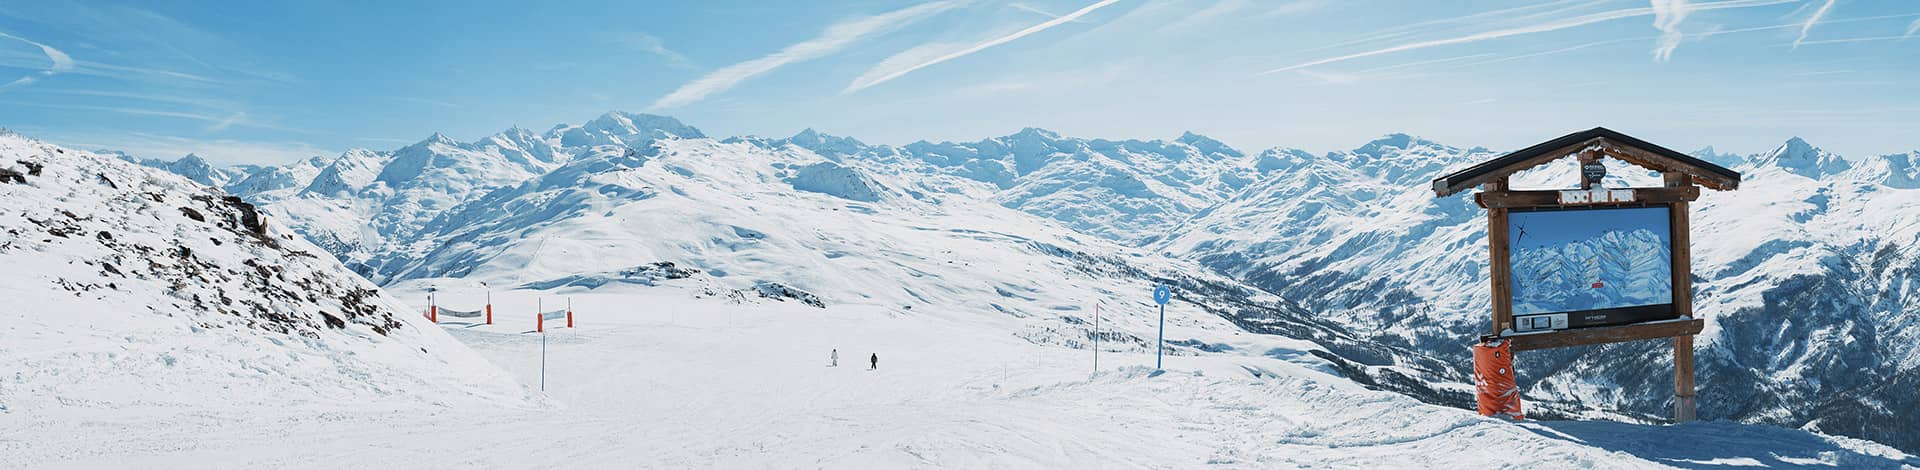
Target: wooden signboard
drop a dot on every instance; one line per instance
(1593, 265)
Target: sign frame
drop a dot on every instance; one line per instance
(1682, 177)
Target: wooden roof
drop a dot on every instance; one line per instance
(1598, 141)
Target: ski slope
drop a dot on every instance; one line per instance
(655, 378)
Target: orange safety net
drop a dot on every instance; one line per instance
(1493, 376)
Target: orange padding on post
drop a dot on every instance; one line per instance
(433, 313)
(489, 314)
(1493, 376)
(539, 322)
(569, 319)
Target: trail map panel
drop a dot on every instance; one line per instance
(1577, 268)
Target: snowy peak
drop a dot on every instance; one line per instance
(524, 148)
(1898, 170)
(1281, 160)
(351, 171)
(1801, 158)
(1723, 159)
(625, 129)
(1207, 145)
(1402, 158)
(437, 139)
(836, 180)
(268, 179)
(1399, 145)
(190, 166)
(197, 297)
(826, 145)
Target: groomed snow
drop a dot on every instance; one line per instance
(653, 378)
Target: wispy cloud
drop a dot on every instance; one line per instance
(1219, 9)
(1526, 12)
(1295, 7)
(129, 73)
(651, 44)
(891, 69)
(215, 123)
(211, 104)
(836, 37)
(61, 62)
(1667, 15)
(227, 122)
(1380, 73)
(1850, 40)
(428, 102)
(1031, 9)
(1562, 50)
(1797, 25)
(1912, 28)
(1554, 25)
(1808, 26)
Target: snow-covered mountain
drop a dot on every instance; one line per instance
(755, 218)
(1128, 190)
(1803, 275)
(741, 219)
(137, 297)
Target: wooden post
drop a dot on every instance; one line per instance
(1497, 263)
(1683, 399)
(1684, 402)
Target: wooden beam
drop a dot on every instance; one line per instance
(1498, 268)
(1655, 162)
(1605, 334)
(1533, 199)
(1509, 170)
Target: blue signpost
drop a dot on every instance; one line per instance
(1161, 294)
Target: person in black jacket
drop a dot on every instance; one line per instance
(875, 360)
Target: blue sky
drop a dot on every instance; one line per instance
(267, 82)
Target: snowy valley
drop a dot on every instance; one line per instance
(1313, 327)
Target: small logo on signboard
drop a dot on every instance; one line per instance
(1593, 171)
(1162, 294)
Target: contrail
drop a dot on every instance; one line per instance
(867, 80)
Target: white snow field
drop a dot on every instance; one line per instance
(653, 378)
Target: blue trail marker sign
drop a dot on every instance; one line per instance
(1161, 295)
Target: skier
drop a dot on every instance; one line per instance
(876, 362)
(834, 360)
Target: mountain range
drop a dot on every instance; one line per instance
(1806, 276)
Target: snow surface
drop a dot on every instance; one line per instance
(655, 377)
(139, 300)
